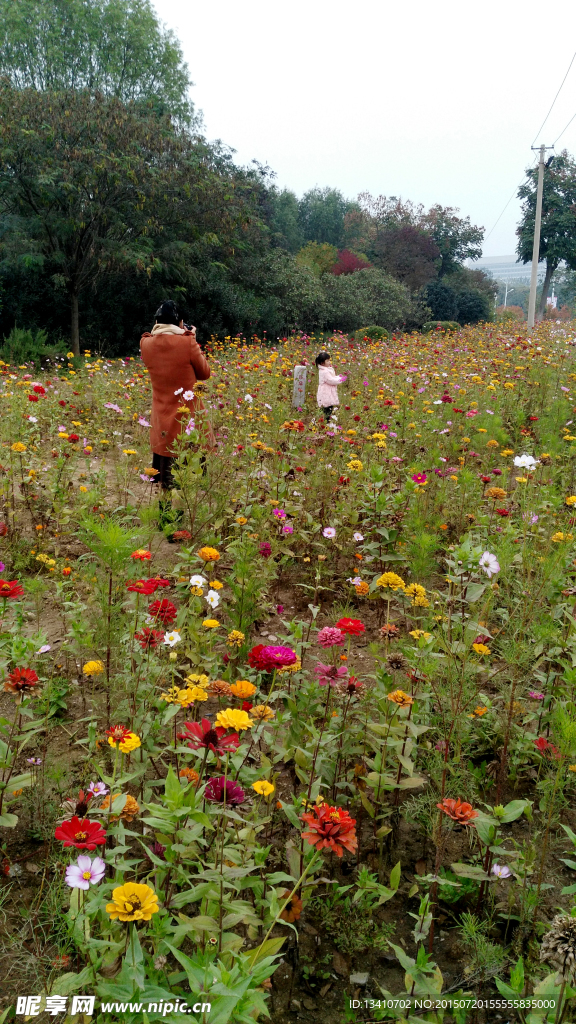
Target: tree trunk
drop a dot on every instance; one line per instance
(74, 324)
(550, 268)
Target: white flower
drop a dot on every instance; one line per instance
(198, 581)
(213, 598)
(358, 537)
(179, 391)
(329, 532)
(354, 580)
(501, 870)
(525, 461)
(33, 419)
(188, 396)
(249, 399)
(266, 406)
(171, 639)
(489, 563)
(438, 401)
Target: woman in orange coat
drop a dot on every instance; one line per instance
(175, 362)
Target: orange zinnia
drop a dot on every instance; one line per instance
(403, 700)
(458, 810)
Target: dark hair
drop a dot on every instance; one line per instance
(167, 313)
(322, 358)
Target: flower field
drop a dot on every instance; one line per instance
(301, 732)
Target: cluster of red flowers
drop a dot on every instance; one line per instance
(163, 611)
(149, 638)
(267, 658)
(331, 828)
(146, 587)
(352, 627)
(545, 747)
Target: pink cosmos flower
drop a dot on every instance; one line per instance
(535, 695)
(330, 636)
(419, 478)
(85, 872)
(329, 532)
(279, 513)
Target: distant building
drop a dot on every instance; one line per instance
(506, 268)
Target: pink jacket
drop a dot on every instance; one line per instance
(328, 381)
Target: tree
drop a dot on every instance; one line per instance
(408, 253)
(349, 263)
(91, 186)
(442, 301)
(317, 257)
(115, 47)
(322, 212)
(558, 229)
(366, 297)
(284, 218)
(456, 238)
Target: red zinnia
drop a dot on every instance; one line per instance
(214, 738)
(331, 827)
(32, 398)
(141, 555)
(142, 586)
(353, 627)
(21, 680)
(149, 638)
(159, 581)
(118, 733)
(38, 389)
(73, 438)
(458, 810)
(81, 833)
(182, 535)
(503, 512)
(10, 590)
(164, 611)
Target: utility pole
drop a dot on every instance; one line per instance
(536, 248)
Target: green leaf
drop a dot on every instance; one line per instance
(269, 948)
(517, 976)
(395, 875)
(8, 820)
(71, 982)
(474, 871)
(172, 789)
(513, 810)
(406, 961)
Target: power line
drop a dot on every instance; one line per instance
(563, 130)
(497, 221)
(554, 101)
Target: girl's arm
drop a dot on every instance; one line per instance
(333, 378)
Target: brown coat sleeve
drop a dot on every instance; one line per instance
(198, 360)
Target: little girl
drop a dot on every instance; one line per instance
(327, 394)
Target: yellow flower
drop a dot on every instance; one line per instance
(216, 585)
(189, 695)
(210, 623)
(263, 787)
(241, 520)
(507, 451)
(492, 444)
(91, 668)
(236, 638)
(128, 744)
(209, 554)
(19, 447)
(130, 810)
(197, 591)
(198, 680)
(479, 711)
(558, 537)
(262, 713)
(355, 465)
(403, 700)
(481, 649)
(129, 451)
(133, 902)
(171, 695)
(571, 500)
(243, 688)
(233, 719)
(294, 667)
(572, 767)
(390, 580)
(62, 433)
(418, 633)
(418, 594)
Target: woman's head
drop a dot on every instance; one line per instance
(321, 358)
(167, 313)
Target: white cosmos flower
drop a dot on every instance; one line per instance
(249, 399)
(179, 391)
(358, 537)
(198, 581)
(188, 396)
(213, 598)
(525, 461)
(171, 639)
(354, 580)
(489, 563)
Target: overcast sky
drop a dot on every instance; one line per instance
(435, 102)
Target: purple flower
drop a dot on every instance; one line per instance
(330, 636)
(278, 657)
(34, 760)
(279, 609)
(419, 478)
(107, 405)
(501, 870)
(143, 422)
(97, 789)
(535, 695)
(158, 849)
(288, 529)
(329, 674)
(2, 566)
(265, 549)
(279, 513)
(85, 872)
(224, 790)
(329, 532)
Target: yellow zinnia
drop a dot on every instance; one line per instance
(262, 713)
(93, 668)
(233, 719)
(243, 688)
(210, 623)
(390, 580)
(133, 902)
(209, 554)
(18, 447)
